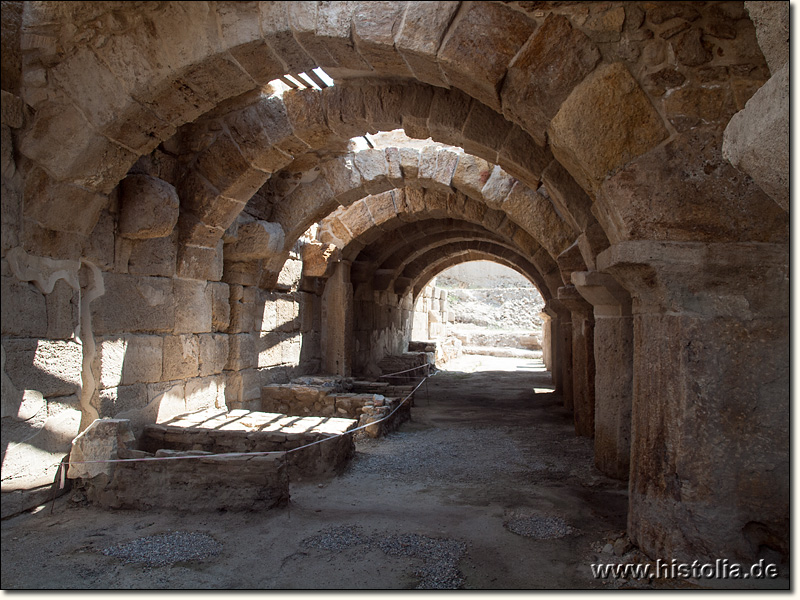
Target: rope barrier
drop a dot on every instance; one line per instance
(62, 469)
(425, 366)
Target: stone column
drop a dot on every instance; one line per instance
(710, 416)
(337, 322)
(582, 359)
(613, 357)
(562, 350)
(547, 323)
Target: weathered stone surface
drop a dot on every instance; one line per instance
(691, 106)
(24, 309)
(148, 207)
(205, 392)
(497, 187)
(554, 60)
(605, 26)
(772, 28)
(606, 122)
(534, 213)
(418, 39)
(61, 206)
(471, 175)
(129, 359)
(567, 196)
(689, 48)
(192, 306)
(156, 257)
(256, 240)
(756, 140)
(220, 306)
(181, 357)
(196, 262)
(374, 27)
(479, 46)
(103, 440)
(241, 352)
(693, 208)
(52, 368)
(318, 259)
(149, 305)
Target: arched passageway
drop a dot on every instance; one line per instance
(147, 164)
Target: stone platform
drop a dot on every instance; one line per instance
(241, 430)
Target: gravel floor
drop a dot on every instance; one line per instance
(438, 557)
(166, 548)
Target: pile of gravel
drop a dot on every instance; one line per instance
(540, 527)
(166, 548)
(439, 556)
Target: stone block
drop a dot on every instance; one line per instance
(536, 215)
(372, 166)
(373, 34)
(156, 257)
(479, 46)
(548, 67)
(51, 367)
(420, 35)
(256, 240)
(771, 20)
(101, 441)
(606, 122)
(213, 354)
(497, 187)
(99, 247)
(205, 264)
(134, 304)
(122, 399)
(289, 276)
(220, 306)
(205, 392)
(181, 357)
(318, 258)
(241, 352)
(756, 140)
(148, 207)
(192, 306)
(307, 117)
(711, 216)
(471, 175)
(449, 111)
(24, 309)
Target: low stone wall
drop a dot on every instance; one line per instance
(366, 408)
(251, 431)
(199, 484)
(403, 362)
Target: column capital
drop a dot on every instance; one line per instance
(603, 292)
(573, 301)
(741, 280)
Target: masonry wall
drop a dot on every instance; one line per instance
(135, 327)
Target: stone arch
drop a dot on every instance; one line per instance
(221, 51)
(463, 257)
(413, 205)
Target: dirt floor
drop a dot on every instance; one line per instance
(486, 488)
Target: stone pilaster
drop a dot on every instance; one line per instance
(583, 366)
(337, 322)
(547, 340)
(613, 355)
(562, 354)
(710, 414)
